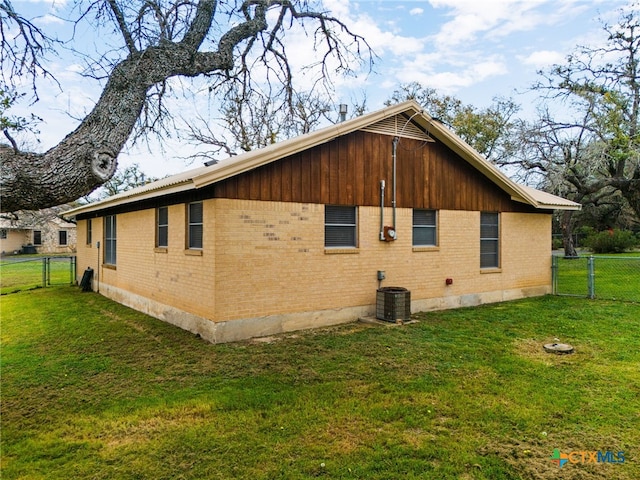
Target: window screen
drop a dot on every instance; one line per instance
(110, 239)
(195, 225)
(37, 237)
(489, 240)
(89, 231)
(162, 228)
(339, 226)
(424, 228)
(62, 238)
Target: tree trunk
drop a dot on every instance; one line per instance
(84, 159)
(631, 192)
(567, 234)
(87, 157)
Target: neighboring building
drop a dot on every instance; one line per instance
(293, 235)
(42, 231)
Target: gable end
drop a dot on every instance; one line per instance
(399, 126)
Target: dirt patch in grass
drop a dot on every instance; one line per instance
(533, 349)
(532, 459)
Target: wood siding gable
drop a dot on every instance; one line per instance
(348, 171)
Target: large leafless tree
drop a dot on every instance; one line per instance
(227, 41)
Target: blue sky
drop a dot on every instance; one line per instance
(473, 49)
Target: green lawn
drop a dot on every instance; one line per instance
(25, 273)
(94, 390)
(616, 276)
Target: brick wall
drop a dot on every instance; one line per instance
(267, 260)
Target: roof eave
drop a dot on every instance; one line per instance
(264, 156)
(124, 199)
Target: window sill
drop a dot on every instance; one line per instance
(108, 266)
(433, 248)
(491, 270)
(161, 250)
(341, 251)
(193, 253)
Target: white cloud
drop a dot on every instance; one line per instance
(416, 11)
(453, 75)
(471, 19)
(543, 58)
(380, 40)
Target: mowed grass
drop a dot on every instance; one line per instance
(616, 276)
(26, 273)
(94, 390)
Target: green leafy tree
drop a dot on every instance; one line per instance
(589, 152)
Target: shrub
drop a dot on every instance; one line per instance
(611, 241)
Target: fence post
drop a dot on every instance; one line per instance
(591, 277)
(44, 272)
(72, 270)
(554, 274)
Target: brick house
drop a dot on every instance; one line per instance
(294, 235)
(42, 231)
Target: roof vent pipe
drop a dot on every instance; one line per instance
(343, 111)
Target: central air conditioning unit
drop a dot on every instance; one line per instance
(393, 304)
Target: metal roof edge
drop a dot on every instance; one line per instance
(256, 158)
(129, 197)
(519, 193)
(204, 176)
(548, 201)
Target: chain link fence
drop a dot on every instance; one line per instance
(18, 274)
(603, 277)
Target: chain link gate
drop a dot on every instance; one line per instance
(595, 276)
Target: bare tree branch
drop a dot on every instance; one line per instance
(132, 103)
(117, 13)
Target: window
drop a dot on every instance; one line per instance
(194, 233)
(37, 237)
(62, 238)
(339, 226)
(424, 228)
(3, 233)
(110, 239)
(162, 227)
(489, 240)
(89, 231)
